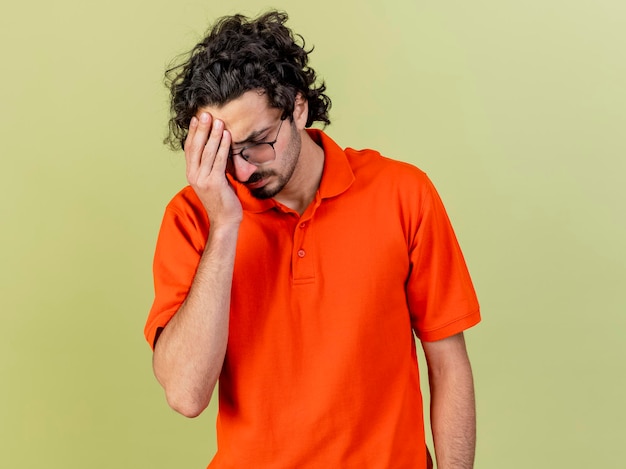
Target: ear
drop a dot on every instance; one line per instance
(300, 111)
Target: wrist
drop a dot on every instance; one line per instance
(224, 229)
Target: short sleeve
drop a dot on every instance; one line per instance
(181, 241)
(440, 294)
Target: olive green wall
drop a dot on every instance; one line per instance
(517, 110)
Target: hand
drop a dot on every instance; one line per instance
(206, 152)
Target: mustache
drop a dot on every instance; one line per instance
(258, 175)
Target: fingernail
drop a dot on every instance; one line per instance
(194, 120)
(204, 117)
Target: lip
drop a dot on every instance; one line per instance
(257, 184)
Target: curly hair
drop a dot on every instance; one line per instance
(240, 54)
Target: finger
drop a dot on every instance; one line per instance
(221, 158)
(193, 125)
(196, 139)
(210, 149)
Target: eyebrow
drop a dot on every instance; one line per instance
(253, 136)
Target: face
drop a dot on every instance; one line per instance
(271, 178)
(250, 120)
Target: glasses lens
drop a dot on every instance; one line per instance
(259, 154)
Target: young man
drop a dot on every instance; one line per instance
(295, 273)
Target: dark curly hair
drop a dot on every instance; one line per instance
(240, 54)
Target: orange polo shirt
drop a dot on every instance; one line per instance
(320, 369)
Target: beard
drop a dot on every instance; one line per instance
(282, 175)
(268, 191)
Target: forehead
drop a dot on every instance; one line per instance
(245, 114)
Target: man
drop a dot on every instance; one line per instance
(296, 273)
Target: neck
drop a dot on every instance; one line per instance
(303, 185)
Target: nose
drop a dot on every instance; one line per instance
(243, 169)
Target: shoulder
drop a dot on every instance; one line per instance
(185, 213)
(185, 202)
(370, 166)
(184, 199)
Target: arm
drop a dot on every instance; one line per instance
(452, 413)
(189, 353)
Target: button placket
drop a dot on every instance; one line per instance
(303, 267)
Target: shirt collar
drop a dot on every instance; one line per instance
(337, 175)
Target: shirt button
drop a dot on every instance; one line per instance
(302, 225)
(301, 253)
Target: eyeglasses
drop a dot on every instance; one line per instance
(259, 153)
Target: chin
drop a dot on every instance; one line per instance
(265, 192)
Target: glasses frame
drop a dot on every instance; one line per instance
(246, 158)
